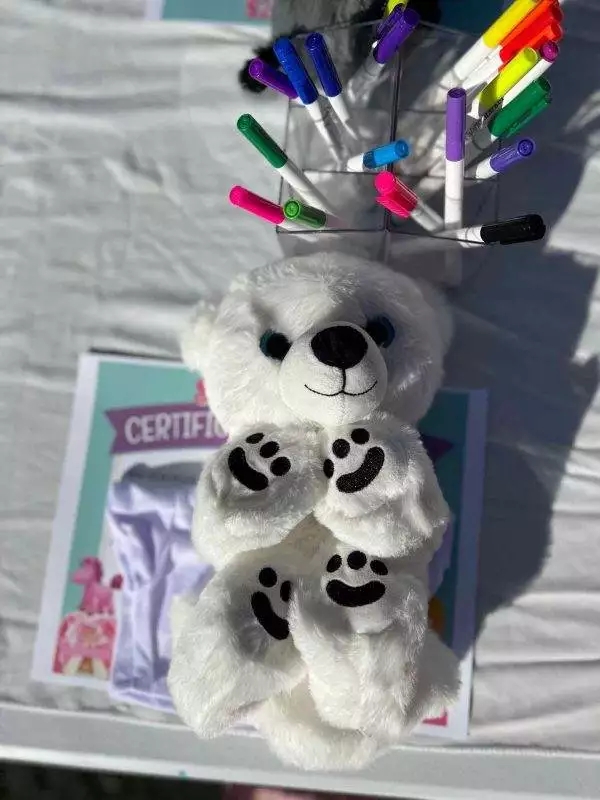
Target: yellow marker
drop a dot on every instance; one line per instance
(508, 21)
(488, 43)
(392, 4)
(507, 78)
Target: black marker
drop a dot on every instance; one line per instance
(529, 228)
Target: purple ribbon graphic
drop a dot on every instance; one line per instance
(164, 427)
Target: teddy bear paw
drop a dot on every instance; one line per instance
(382, 493)
(255, 490)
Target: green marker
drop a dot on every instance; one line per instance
(529, 115)
(519, 107)
(308, 216)
(276, 157)
(508, 117)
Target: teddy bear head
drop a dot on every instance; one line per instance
(323, 339)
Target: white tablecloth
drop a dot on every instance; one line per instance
(117, 150)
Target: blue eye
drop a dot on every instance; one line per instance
(274, 345)
(381, 330)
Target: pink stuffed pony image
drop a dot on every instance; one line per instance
(86, 636)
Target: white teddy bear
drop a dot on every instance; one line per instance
(317, 367)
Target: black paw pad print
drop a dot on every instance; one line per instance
(277, 627)
(360, 478)
(355, 596)
(248, 476)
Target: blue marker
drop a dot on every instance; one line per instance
(317, 49)
(307, 92)
(379, 157)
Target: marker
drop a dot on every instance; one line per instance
(394, 207)
(310, 217)
(525, 120)
(307, 92)
(543, 28)
(389, 21)
(548, 55)
(502, 160)
(259, 206)
(266, 74)
(529, 228)
(317, 49)
(490, 99)
(276, 157)
(389, 44)
(456, 116)
(392, 187)
(548, 11)
(378, 157)
(366, 77)
(551, 32)
(502, 125)
(488, 42)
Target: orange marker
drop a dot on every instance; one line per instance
(548, 10)
(551, 33)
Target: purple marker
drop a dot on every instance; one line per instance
(503, 159)
(264, 73)
(456, 123)
(390, 43)
(388, 23)
(367, 76)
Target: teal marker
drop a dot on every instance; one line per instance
(277, 158)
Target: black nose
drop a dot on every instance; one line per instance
(339, 346)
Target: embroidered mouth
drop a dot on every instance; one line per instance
(342, 391)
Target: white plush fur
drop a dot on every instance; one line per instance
(317, 367)
(300, 295)
(231, 517)
(373, 668)
(297, 734)
(225, 662)
(402, 509)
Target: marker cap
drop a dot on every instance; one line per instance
(295, 70)
(307, 215)
(529, 228)
(391, 42)
(519, 107)
(505, 158)
(508, 77)
(456, 122)
(389, 22)
(392, 187)
(392, 206)
(546, 12)
(508, 21)
(552, 32)
(258, 136)
(265, 73)
(319, 52)
(386, 154)
(526, 119)
(550, 51)
(244, 198)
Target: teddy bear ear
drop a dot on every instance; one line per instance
(196, 334)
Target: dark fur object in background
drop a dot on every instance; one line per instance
(292, 17)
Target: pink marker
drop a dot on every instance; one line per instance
(393, 189)
(391, 205)
(260, 207)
